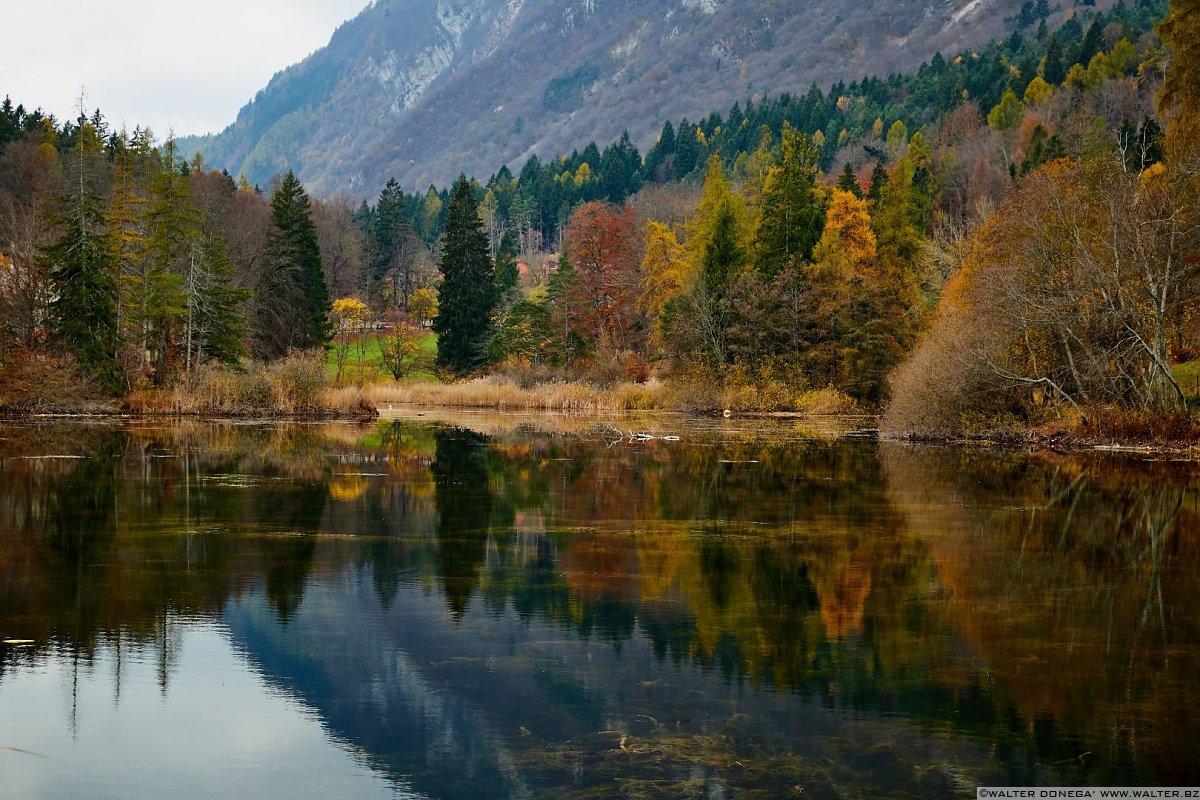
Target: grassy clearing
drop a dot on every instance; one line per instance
(366, 365)
(1187, 375)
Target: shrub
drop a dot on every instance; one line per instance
(32, 382)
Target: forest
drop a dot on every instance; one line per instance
(1004, 237)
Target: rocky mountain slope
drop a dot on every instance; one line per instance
(425, 89)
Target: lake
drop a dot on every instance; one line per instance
(538, 607)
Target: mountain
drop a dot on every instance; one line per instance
(424, 89)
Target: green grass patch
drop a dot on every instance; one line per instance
(1187, 375)
(366, 364)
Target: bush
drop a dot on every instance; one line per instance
(32, 382)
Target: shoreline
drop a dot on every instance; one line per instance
(861, 426)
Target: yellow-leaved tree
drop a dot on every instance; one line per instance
(665, 271)
(350, 319)
(840, 289)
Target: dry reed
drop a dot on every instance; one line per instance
(503, 393)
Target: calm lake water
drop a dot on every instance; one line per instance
(506, 608)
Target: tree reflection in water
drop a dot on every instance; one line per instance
(542, 612)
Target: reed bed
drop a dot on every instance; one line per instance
(499, 392)
(293, 386)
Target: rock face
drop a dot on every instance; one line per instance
(424, 89)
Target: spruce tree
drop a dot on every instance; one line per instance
(848, 181)
(879, 179)
(215, 327)
(792, 218)
(393, 243)
(507, 274)
(292, 300)
(83, 314)
(1053, 70)
(160, 298)
(467, 293)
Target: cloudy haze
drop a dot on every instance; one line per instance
(186, 67)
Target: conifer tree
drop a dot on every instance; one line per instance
(393, 244)
(848, 181)
(791, 217)
(215, 325)
(160, 298)
(292, 300)
(1053, 69)
(507, 274)
(126, 228)
(562, 296)
(467, 293)
(83, 314)
(879, 179)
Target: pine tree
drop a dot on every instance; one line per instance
(292, 300)
(467, 293)
(620, 169)
(126, 226)
(83, 314)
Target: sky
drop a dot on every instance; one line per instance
(171, 65)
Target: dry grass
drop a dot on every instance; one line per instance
(294, 386)
(31, 383)
(827, 402)
(504, 393)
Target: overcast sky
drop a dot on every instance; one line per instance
(170, 65)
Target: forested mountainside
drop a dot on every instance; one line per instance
(1006, 233)
(421, 90)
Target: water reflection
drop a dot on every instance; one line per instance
(529, 613)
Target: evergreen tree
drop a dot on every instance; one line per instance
(507, 274)
(723, 253)
(879, 179)
(292, 300)
(159, 304)
(659, 165)
(83, 314)
(216, 327)
(562, 296)
(848, 181)
(791, 216)
(1053, 69)
(1092, 43)
(467, 293)
(620, 169)
(393, 243)
(687, 150)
